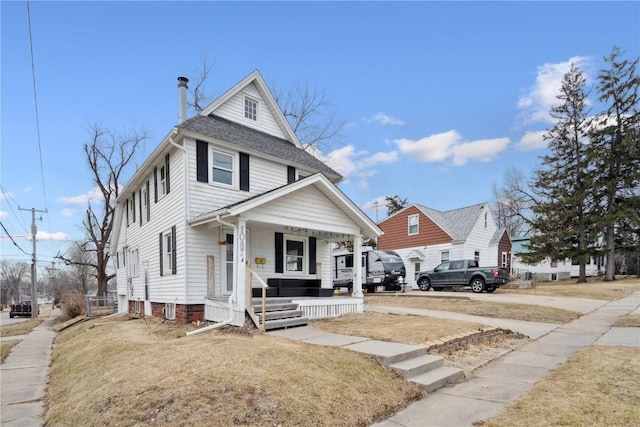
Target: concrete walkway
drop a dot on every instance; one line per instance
(505, 379)
(24, 375)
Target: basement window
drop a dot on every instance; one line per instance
(170, 311)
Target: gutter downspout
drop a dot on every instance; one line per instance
(186, 204)
(230, 319)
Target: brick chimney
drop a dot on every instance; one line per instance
(183, 87)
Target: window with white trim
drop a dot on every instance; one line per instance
(135, 266)
(444, 256)
(168, 252)
(170, 311)
(222, 171)
(131, 213)
(162, 181)
(413, 224)
(250, 108)
(294, 255)
(476, 256)
(136, 306)
(144, 199)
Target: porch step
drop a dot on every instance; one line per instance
(279, 314)
(286, 323)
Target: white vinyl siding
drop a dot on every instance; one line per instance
(233, 110)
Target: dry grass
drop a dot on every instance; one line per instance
(607, 396)
(629, 321)
(395, 328)
(20, 328)
(528, 312)
(5, 348)
(595, 288)
(143, 372)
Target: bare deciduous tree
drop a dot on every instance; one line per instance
(108, 155)
(11, 278)
(513, 203)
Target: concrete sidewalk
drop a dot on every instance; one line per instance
(505, 379)
(24, 375)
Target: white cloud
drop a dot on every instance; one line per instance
(449, 145)
(43, 235)
(543, 95)
(484, 150)
(83, 199)
(532, 140)
(68, 212)
(358, 165)
(385, 119)
(3, 214)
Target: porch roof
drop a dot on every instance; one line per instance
(333, 194)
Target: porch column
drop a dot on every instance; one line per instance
(357, 264)
(240, 255)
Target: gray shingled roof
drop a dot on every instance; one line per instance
(255, 141)
(457, 223)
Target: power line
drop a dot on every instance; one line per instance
(14, 242)
(35, 101)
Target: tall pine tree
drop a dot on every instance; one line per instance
(562, 221)
(615, 145)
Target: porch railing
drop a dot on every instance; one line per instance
(250, 275)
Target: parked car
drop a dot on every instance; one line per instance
(381, 271)
(21, 309)
(461, 273)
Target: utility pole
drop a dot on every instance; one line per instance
(52, 271)
(34, 231)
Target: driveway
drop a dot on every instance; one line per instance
(580, 305)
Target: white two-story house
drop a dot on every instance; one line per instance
(227, 202)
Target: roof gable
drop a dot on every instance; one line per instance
(458, 223)
(230, 105)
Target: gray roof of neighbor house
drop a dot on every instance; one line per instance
(457, 223)
(249, 139)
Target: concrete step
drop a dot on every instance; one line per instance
(286, 323)
(280, 314)
(417, 365)
(437, 378)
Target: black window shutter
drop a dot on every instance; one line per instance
(148, 203)
(173, 254)
(161, 254)
(140, 203)
(167, 175)
(279, 253)
(312, 255)
(133, 207)
(127, 212)
(155, 184)
(291, 174)
(202, 160)
(244, 172)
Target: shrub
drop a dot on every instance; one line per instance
(73, 305)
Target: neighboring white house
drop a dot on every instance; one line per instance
(425, 237)
(547, 269)
(229, 200)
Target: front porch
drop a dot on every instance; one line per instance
(218, 310)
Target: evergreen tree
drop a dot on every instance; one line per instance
(563, 218)
(615, 146)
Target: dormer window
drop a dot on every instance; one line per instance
(250, 108)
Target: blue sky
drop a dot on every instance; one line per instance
(440, 98)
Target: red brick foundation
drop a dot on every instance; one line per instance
(185, 313)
